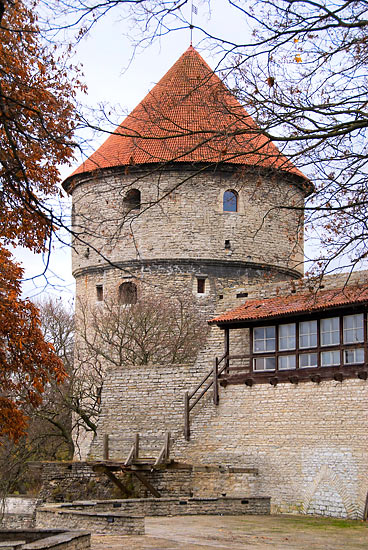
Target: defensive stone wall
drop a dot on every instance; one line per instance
(308, 442)
(152, 404)
(185, 218)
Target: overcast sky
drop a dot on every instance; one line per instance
(113, 77)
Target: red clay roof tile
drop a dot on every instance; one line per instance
(308, 302)
(189, 116)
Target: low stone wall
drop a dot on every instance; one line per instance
(50, 539)
(112, 522)
(176, 506)
(19, 512)
(17, 521)
(70, 481)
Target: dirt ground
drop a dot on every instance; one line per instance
(241, 533)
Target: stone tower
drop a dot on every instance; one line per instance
(185, 196)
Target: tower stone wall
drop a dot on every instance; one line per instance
(181, 231)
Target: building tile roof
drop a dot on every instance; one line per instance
(293, 304)
(189, 116)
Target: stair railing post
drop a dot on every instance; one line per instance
(186, 416)
(227, 349)
(106, 447)
(167, 445)
(136, 446)
(215, 382)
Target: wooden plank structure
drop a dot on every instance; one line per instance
(134, 464)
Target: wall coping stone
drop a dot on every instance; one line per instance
(57, 537)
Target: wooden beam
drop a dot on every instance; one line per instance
(227, 347)
(186, 416)
(113, 478)
(134, 451)
(215, 383)
(142, 478)
(106, 447)
(365, 513)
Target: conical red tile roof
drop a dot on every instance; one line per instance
(189, 116)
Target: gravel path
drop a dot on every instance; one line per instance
(241, 533)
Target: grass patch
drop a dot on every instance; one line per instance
(322, 523)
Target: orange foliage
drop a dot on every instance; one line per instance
(26, 361)
(36, 127)
(36, 130)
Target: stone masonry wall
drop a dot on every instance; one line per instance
(309, 443)
(305, 444)
(147, 400)
(46, 539)
(177, 507)
(93, 522)
(189, 222)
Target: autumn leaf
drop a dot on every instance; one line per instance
(36, 131)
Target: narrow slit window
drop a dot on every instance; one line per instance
(230, 202)
(99, 293)
(201, 285)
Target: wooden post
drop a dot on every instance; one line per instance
(106, 447)
(167, 445)
(365, 513)
(136, 446)
(186, 416)
(227, 348)
(215, 383)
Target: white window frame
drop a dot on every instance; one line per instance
(288, 337)
(354, 329)
(264, 339)
(329, 332)
(309, 334)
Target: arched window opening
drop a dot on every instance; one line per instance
(132, 200)
(127, 293)
(230, 203)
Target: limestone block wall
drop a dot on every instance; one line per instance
(306, 444)
(309, 443)
(92, 522)
(176, 506)
(183, 218)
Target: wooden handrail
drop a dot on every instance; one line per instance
(134, 451)
(165, 451)
(215, 372)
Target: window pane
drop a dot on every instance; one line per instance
(330, 332)
(308, 334)
(201, 286)
(353, 328)
(263, 339)
(230, 203)
(330, 358)
(287, 336)
(287, 362)
(352, 356)
(264, 363)
(307, 360)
